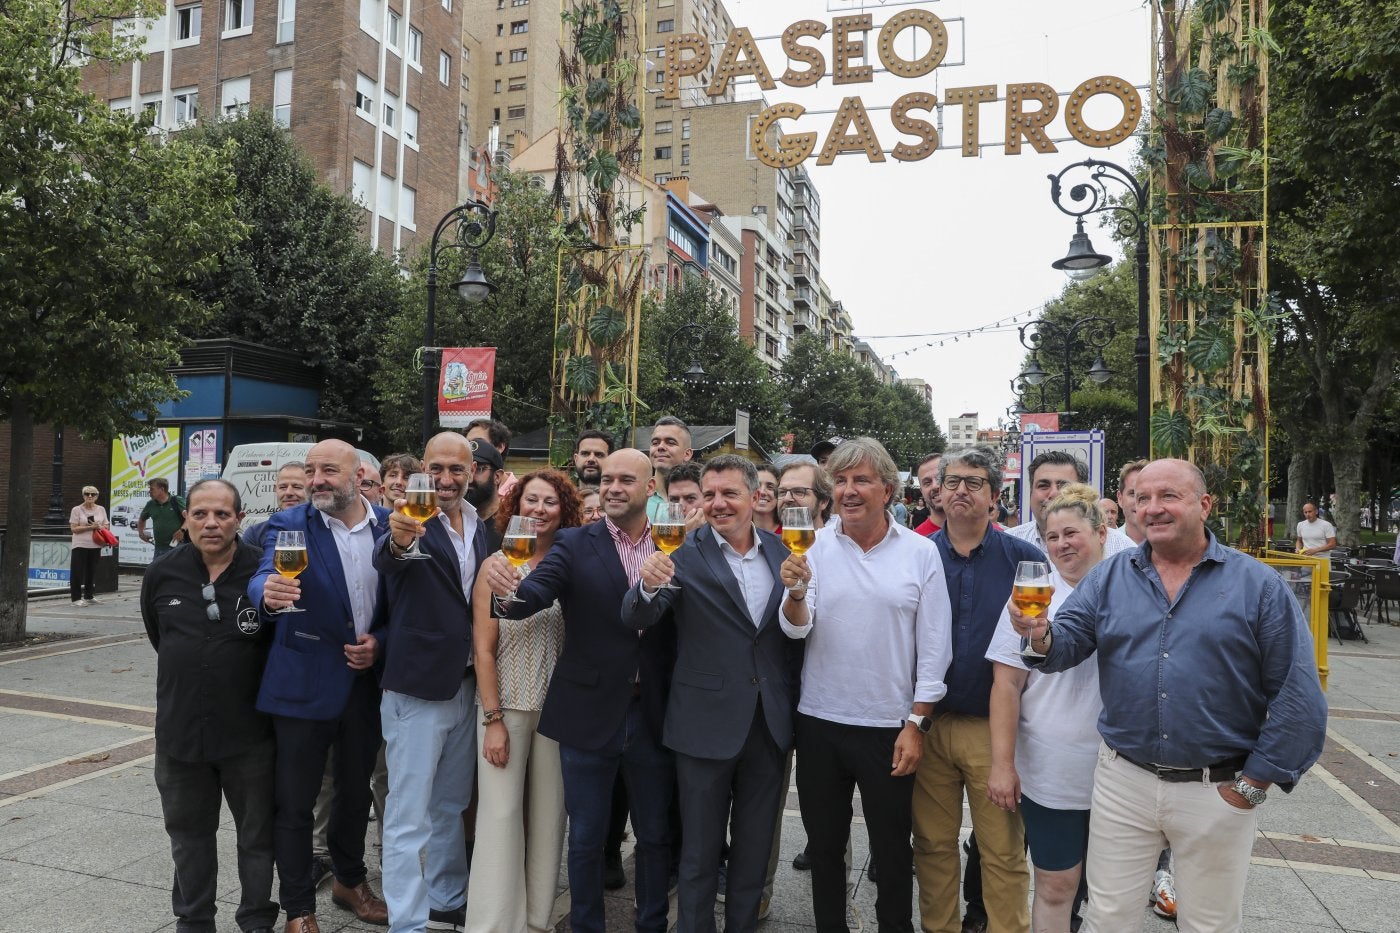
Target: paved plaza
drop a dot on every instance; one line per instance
(82, 847)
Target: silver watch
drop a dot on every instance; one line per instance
(1254, 795)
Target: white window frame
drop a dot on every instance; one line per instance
(244, 24)
(394, 32)
(444, 68)
(447, 5)
(282, 97)
(415, 49)
(232, 103)
(371, 14)
(408, 207)
(286, 21)
(361, 182)
(662, 127)
(366, 92)
(524, 27)
(410, 126)
(186, 101)
(519, 55)
(195, 13)
(391, 110)
(511, 115)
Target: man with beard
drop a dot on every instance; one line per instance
(482, 491)
(497, 435)
(927, 473)
(590, 450)
(318, 685)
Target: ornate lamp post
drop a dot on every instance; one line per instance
(472, 226)
(1049, 337)
(686, 338)
(1082, 260)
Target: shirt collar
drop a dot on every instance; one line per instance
(370, 516)
(725, 546)
(1215, 552)
(621, 537)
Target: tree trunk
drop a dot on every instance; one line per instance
(1299, 470)
(14, 563)
(1347, 463)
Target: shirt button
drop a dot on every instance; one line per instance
(1169, 615)
(1164, 735)
(753, 680)
(1162, 695)
(1165, 654)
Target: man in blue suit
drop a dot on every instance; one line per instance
(729, 718)
(318, 686)
(607, 698)
(429, 707)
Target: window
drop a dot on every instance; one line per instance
(663, 126)
(519, 2)
(371, 14)
(517, 55)
(188, 20)
(286, 20)
(122, 105)
(361, 181)
(498, 85)
(666, 25)
(282, 97)
(152, 106)
(519, 26)
(685, 128)
(410, 125)
(391, 37)
(391, 107)
(444, 67)
(685, 155)
(662, 152)
(515, 113)
(408, 206)
(186, 106)
(498, 57)
(364, 96)
(662, 178)
(447, 5)
(238, 16)
(236, 96)
(500, 30)
(517, 84)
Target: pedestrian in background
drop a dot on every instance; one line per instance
(82, 562)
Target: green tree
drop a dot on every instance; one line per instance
(305, 278)
(105, 229)
(522, 261)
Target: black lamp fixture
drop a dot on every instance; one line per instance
(1062, 340)
(474, 286)
(1082, 261)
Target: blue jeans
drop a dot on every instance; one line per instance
(430, 749)
(649, 772)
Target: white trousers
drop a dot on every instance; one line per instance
(515, 863)
(1136, 815)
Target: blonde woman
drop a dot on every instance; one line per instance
(82, 563)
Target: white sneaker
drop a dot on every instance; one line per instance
(83, 602)
(1163, 898)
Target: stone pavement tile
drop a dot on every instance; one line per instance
(130, 790)
(101, 842)
(88, 675)
(35, 821)
(65, 737)
(1357, 904)
(1379, 739)
(1276, 894)
(1315, 808)
(23, 886)
(102, 906)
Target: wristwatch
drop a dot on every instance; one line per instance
(1253, 795)
(922, 723)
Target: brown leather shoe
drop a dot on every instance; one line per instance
(362, 901)
(305, 924)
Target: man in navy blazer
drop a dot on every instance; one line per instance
(429, 706)
(318, 685)
(729, 719)
(607, 698)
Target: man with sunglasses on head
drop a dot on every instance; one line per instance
(211, 742)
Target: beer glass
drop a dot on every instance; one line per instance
(1031, 591)
(420, 504)
(289, 559)
(668, 532)
(798, 533)
(518, 545)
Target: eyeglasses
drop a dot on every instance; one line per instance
(211, 610)
(793, 492)
(369, 484)
(973, 483)
(91, 495)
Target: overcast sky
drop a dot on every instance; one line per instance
(952, 243)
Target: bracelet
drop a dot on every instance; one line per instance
(394, 546)
(797, 597)
(493, 715)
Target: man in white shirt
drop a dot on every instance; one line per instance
(1314, 537)
(871, 601)
(1049, 473)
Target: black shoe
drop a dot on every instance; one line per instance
(321, 870)
(613, 875)
(802, 862)
(447, 919)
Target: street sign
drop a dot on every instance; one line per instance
(1085, 446)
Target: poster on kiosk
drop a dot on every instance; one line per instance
(135, 462)
(1085, 446)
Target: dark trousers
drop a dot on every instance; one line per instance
(589, 774)
(302, 746)
(832, 760)
(82, 571)
(190, 793)
(746, 792)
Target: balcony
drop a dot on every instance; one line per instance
(803, 321)
(802, 271)
(802, 297)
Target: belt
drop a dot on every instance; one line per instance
(1226, 770)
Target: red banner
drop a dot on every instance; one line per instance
(1048, 421)
(464, 389)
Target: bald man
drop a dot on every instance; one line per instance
(1110, 511)
(318, 686)
(607, 700)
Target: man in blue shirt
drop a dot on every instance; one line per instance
(1210, 696)
(979, 562)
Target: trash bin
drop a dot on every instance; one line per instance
(106, 578)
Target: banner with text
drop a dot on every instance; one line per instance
(464, 392)
(135, 462)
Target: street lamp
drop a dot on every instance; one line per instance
(1082, 260)
(472, 226)
(1048, 336)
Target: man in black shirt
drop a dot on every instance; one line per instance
(210, 741)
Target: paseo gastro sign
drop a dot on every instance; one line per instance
(1028, 107)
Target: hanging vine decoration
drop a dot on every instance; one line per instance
(1208, 158)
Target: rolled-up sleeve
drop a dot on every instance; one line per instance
(933, 632)
(802, 631)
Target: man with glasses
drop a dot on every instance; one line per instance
(805, 484)
(211, 743)
(372, 487)
(980, 565)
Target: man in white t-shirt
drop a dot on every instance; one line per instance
(1315, 537)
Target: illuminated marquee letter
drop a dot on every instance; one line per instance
(1106, 84)
(924, 130)
(920, 19)
(971, 98)
(1030, 125)
(862, 140)
(844, 48)
(803, 53)
(730, 65)
(792, 149)
(676, 68)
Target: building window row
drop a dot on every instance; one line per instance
(282, 97)
(286, 20)
(395, 202)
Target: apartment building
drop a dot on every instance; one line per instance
(920, 386)
(764, 282)
(865, 354)
(512, 78)
(962, 430)
(368, 89)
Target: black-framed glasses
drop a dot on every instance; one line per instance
(793, 491)
(90, 495)
(973, 483)
(369, 484)
(211, 610)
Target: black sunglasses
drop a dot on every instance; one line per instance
(211, 610)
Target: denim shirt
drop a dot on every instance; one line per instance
(1225, 670)
(979, 586)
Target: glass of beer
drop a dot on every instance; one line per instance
(518, 546)
(668, 532)
(420, 504)
(798, 533)
(289, 559)
(1031, 591)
